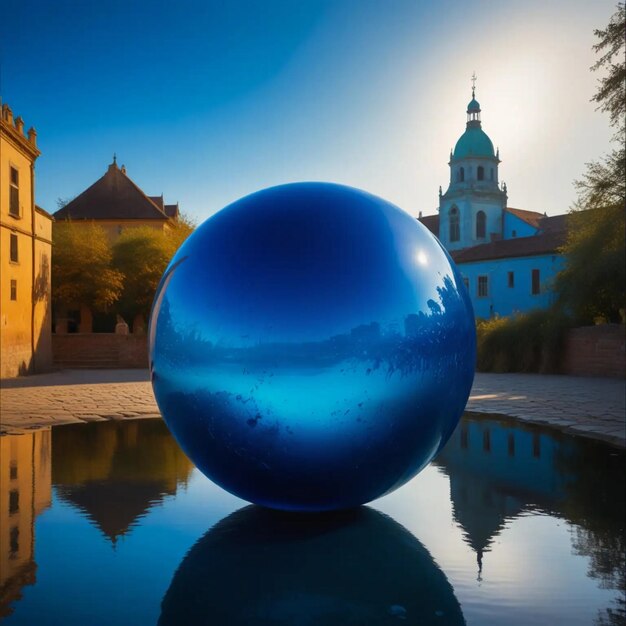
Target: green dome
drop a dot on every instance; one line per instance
(473, 105)
(474, 142)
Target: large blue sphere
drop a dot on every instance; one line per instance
(312, 347)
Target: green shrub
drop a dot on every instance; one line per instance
(526, 342)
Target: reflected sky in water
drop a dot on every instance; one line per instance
(109, 523)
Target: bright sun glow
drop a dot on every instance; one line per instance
(421, 258)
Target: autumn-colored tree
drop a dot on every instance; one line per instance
(593, 282)
(142, 254)
(81, 266)
(180, 229)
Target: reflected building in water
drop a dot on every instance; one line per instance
(496, 473)
(114, 473)
(25, 491)
(499, 471)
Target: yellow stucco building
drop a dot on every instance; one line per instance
(25, 491)
(25, 255)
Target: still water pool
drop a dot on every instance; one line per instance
(109, 523)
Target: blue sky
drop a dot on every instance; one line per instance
(208, 101)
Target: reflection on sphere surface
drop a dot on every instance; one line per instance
(312, 347)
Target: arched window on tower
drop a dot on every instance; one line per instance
(481, 173)
(461, 175)
(455, 224)
(481, 225)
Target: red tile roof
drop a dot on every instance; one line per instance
(432, 223)
(112, 197)
(158, 200)
(552, 234)
(554, 223)
(519, 247)
(534, 218)
(171, 210)
(530, 217)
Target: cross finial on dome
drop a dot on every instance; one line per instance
(114, 158)
(473, 84)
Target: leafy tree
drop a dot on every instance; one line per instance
(62, 202)
(612, 90)
(593, 283)
(142, 254)
(81, 266)
(180, 229)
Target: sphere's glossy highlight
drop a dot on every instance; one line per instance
(312, 347)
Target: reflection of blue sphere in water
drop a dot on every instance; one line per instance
(344, 568)
(312, 347)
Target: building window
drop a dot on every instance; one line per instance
(14, 501)
(14, 193)
(14, 541)
(480, 173)
(483, 286)
(511, 279)
(461, 174)
(513, 233)
(13, 290)
(535, 282)
(13, 254)
(455, 224)
(13, 471)
(464, 438)
(481, 225)
(466, 282)
(487, 440)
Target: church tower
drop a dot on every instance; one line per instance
(471, 210)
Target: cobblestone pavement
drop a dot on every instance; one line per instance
(593, 407)
(73, 396)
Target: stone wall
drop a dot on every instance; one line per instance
(596, 351)
(99, 350)
(589, 351)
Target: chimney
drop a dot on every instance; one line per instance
(32, 136)
(123, 168)
(420, 216)
(19, 124)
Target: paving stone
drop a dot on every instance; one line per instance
(588, 406)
